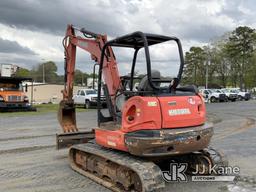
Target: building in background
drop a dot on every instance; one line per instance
(90, 82)
(8, 70)
(47, 93)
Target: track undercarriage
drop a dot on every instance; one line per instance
(120, 171)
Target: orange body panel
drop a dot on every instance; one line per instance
(153, 113)
(145, 112)
(182, 111)
(111, 139)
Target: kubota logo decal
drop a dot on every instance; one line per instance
(152, 103)
(184, 111)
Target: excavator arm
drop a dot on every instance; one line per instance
(91, 43)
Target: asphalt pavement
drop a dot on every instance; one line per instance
(29, 161)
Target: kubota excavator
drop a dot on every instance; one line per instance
(145, 129)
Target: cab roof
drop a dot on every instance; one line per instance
(136, 40)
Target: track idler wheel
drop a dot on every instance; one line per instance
(201, 163)
(204, 161)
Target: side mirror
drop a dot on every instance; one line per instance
(26, 87)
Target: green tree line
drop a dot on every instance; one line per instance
(49, 69)
(229, 61)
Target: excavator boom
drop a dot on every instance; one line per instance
(91, 43)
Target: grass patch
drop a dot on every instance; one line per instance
(41, 109)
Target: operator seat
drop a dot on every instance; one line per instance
(144, 84)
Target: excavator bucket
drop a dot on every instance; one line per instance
(67, 116)
(67, 120)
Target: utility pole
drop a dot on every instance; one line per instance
(43, 74)
(207, 74)
(43, 71)
(207, 63)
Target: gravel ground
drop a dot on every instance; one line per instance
(29, 161)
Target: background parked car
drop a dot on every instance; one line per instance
(241, 95)
(230, 95)
(88, 98)
(212, 95)
(223, 93)
(220, 95)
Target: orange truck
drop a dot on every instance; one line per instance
(12, 94)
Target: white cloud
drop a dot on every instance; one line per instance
(46, 45)
(40, 25)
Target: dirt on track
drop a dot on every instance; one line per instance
(30, 162)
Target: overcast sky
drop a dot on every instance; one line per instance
(31, 31)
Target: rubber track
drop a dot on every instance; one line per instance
(149, 173)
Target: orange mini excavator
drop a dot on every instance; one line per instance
(144, 129)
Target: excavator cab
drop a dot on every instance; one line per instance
(150, 83)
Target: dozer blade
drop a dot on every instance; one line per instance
(67, 120)
(65, 140)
